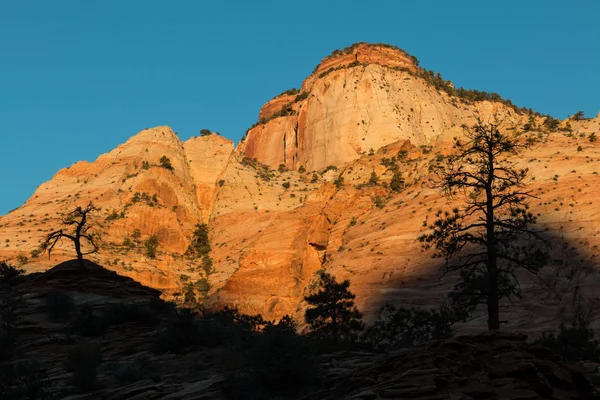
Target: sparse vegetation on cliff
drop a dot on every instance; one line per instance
(165, 162)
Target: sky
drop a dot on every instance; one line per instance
(78, 78)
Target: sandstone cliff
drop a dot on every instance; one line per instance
(271, 230)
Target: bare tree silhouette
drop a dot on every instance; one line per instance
(75, 227)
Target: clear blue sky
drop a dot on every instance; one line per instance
(77, 78)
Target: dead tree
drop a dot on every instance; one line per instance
(75, 226)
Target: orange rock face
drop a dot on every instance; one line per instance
(355, 106)
(270, 231)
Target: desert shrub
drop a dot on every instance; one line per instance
(339, 181)
(205, 132)
(314, 179)
(592, 138)
(301, 170)
(221, 182)
(286, 185)
(407, 327)
(379, 201)
(59, 305)
(165, 162)
(151, 245)
(200, 244)
(373, 179)
(82, 360)
(207, 265)
(282, 168)
(329, 168)
(576, 342)
(397, 182)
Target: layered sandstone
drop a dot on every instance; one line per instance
(362, 100)
(271, 231)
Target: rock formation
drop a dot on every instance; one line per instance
(271, 230)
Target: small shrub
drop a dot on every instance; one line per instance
(579, 148)
(286, 185)
(379, 201)
(22, 260)
(282, 168)
(339, 181)
(374, 179)
(301, 170)
(200, 244)
(329, 168)
(221, 182)
(592, 138)
(165, 162)
(83, 360)
(151, 245)
(397, 182)
(205, 132)
(314, 179)
(352, 222)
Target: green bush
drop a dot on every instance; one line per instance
(286, 185)
(329, 168)
(200, 244)
(82, 360)
(374, 179)
(151, 245)
(397, 182)
(165, 162)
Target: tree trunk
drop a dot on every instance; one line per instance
(493, 307)
(78, 251)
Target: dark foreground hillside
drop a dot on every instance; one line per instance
(92, 334)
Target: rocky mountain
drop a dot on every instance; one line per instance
(294, 196)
